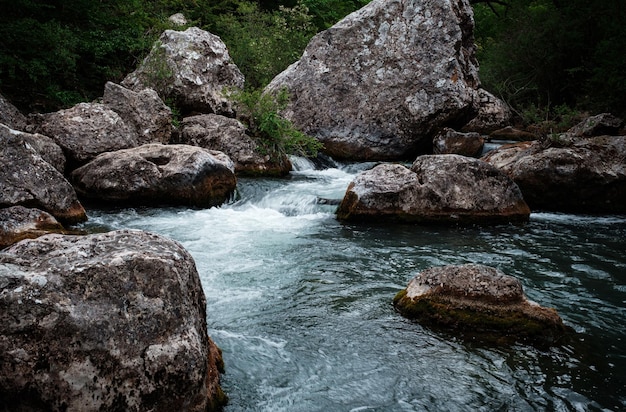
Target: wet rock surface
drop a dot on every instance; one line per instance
(113, 321)
(156, 174)
(18, 223)
(437, 189)
(449, 141)
(478, 299)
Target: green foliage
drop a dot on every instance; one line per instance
(547, 53)
(276, 135)
(55, 53)
(263, 44)
(157, 71)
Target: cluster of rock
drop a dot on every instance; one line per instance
(582, 170)
(117, 321)
(114, 321)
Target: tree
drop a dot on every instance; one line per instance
(548, 53)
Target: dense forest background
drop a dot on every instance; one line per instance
(546, 58)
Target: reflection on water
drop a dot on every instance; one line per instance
(301, 304)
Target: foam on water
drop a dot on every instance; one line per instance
(300, 304)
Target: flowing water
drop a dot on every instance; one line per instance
(301, 304)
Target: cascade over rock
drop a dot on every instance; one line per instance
(143, 110)
(437, 189)
(113, 321)
(156, 174)
(477, 299)
(378, 84)
(191, 67)
(229, 135)
(28, 180)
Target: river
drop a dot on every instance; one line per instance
(300, 304)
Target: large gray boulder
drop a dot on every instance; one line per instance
(156, 174)
(568, 174)
(378, 84)
(11, 116)
(142, 110)
(113, 321)
(437, 189)
(229, 136)
(86, 130)
(18, 223)
(28, 180)
(45, 146)
(192, 68)
(480, 301)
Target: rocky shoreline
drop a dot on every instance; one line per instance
(118, 320)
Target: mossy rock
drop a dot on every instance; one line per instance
(479, 302)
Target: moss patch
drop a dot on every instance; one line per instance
(503, 324)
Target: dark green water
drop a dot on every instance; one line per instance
(301, 304)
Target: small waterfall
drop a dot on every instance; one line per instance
(300, 164)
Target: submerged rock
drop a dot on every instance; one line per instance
(228, 135)
(437, 189)
(156, 174)
(86, 130)
(191, 67)
(477, 300)
(26, 179)
(143, 110)
(18, 223)
(113, 321)
(378, 84)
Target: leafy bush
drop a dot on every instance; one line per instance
(548, 54)
(263, 44)
(276, 135)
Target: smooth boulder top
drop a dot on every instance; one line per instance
(87, 130)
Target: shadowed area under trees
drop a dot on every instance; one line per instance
(546, 58)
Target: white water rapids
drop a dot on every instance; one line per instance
(301, 304)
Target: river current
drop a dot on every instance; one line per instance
(300, 304)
